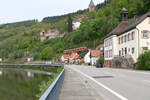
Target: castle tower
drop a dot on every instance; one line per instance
(91, 6)
(124, 14)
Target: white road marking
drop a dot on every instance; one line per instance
(140, 72)
(147, 81)
(100, 84)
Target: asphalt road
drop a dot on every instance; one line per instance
(117, 84)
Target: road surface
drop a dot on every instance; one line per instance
(116, 84)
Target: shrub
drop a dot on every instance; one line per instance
(101, 60)
(144, 61)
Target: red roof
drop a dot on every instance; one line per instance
(76, 49)
(118, 29)
(66, 56)
(75, 56)
(95, 53)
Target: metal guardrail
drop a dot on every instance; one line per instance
(55, 65)
(53, 91)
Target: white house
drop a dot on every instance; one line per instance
(76, 25)
(87, 58)
(65, 58)
(92, 57)
(128, 39)
(95, 55)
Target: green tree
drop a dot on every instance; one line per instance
(47, 53)
(69, 23)
(144, 61)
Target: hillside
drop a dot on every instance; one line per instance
(22, 39)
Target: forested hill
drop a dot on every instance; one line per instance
(22, 39)
(55, 19)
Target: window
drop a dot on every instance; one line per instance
(145, 34)
(122, 51)
(119, 52)
(125, 40)
(132, 35)
(129, 37)
(110, 53)
(125, 51)
(129, 50)
(132, 50)
(121, 39)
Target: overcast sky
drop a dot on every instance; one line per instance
(19, 10)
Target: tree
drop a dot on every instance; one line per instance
(47, 53)
(143, 6)
(69, 23)
(144, 61)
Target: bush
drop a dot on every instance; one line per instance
(101, 60)
(144, 61)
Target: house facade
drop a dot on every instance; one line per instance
(51, 33)
(95, 55)
(92, 57)
(128, 39)
(65, 59)
(87, 58)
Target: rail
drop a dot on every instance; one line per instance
(54, 65)
(53, 91)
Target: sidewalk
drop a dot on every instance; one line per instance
(76, 88)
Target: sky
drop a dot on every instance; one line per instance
(19, 10)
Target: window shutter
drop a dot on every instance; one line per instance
(148, 34)
(142, 34)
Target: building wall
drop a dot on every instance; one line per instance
(115, 46)
(133, 43)
(144, 42)
(129, 46)
(108, 48)
(87, 58)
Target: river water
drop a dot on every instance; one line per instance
(21, 84)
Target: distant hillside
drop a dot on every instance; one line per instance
(22, 39)
(27, 23)
(54, 19)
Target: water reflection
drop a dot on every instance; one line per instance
(30, 74)
(20, 84)
(1, 73)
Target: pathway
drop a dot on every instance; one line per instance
(75, 87)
